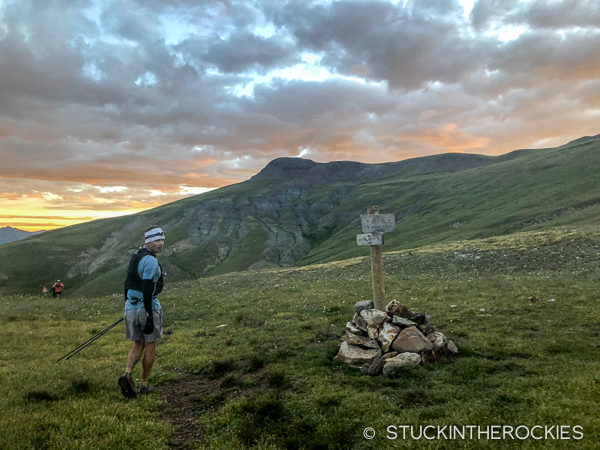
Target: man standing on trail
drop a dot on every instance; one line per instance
(143, 312)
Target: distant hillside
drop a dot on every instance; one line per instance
(10, 234)
(307, 172)
(297, 212)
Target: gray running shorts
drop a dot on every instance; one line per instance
(135, 320)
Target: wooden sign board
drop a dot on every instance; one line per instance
(369, 239)
(380, 223)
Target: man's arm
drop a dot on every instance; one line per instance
(149, 268)
(147, 288)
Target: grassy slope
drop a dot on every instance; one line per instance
(535, 189)
(522, 191)
(267, 378)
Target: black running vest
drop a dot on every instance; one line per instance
(133, 280)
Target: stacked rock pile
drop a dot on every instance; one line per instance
(384, 341)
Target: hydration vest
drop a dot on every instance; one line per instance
(133, 280)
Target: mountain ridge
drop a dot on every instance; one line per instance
(308, 171)
(10, 234)
(282, 218)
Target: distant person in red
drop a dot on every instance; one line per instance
(57, 289)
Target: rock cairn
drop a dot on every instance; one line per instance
(384, 341)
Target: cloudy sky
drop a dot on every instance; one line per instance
(111, 107)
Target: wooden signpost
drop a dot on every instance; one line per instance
(373, 226)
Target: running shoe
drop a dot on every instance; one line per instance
(127, 385)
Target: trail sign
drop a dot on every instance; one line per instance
(370, 239)
(373, 226)
(381, 223)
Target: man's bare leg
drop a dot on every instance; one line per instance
(148, 362)
(134, 355)
(126, 380)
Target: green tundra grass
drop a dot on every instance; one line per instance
(247, 358)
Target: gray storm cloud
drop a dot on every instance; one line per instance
(173, 93)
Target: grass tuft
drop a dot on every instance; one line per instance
(41, 395)
(277, 379)
(79, 387)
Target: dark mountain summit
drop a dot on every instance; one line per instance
(307, 171)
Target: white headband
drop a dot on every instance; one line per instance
(154, 234)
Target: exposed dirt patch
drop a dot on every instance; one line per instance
(181, 408)
(206, 392)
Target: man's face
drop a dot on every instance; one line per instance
(156, 246)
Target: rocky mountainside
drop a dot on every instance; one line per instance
(297, 211)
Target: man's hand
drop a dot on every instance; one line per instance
(149, 327)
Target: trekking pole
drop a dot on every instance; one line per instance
(90, 341)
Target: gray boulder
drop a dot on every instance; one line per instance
(373, 317)
(411, 340)
(352, 328)
(373, 332)
(395, 308)
(452, 348)
(387, 334)
(353, 354)
(360, 322)
(402, 360)
(438, 340)
(361, 306)
(421, 319)
(361, 341)
(376, 366)
(403, 322)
